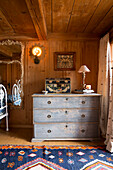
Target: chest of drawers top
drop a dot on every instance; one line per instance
(66, 101)
(65, 95)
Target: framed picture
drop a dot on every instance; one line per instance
(64, 61)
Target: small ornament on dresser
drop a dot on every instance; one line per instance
(88, 87)
(45, 92)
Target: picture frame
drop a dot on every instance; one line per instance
(64, 61)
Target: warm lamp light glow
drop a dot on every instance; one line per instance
(37, 51)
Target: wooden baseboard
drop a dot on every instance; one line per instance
(18, 126)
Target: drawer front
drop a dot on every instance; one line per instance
(66, 102)
(66, 115)
(66, 130)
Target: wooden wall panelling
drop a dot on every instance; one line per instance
(90, 59)
(35, 74)
(47, 61)
(59, 46)
(81, 55)
(29, 84)
(36, 77)
(54, 47)
(26, 93)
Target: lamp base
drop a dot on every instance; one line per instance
(84, 86)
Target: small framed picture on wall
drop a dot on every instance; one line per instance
(64, 61)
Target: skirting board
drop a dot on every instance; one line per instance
(86, 139)
(18, 126)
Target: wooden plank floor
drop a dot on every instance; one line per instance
(20, 136)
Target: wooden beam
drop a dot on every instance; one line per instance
(18, 37)
(18, 19)
(5, 26)
(37, 15)
(43, 16)
(48, 15)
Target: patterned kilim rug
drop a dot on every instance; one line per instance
(55, 158)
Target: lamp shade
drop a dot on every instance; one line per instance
(83, 69)
(37, 51)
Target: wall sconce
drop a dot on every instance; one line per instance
(83, 69)
(37, 51)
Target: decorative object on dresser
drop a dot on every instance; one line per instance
(61, 85)
(66, 116)
(64, 61)
(88, 87)
(36, 52)
(83, 69)
(76, 91)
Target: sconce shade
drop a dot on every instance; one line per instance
(83, 69)
(37, 51)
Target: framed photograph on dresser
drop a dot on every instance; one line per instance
(64, 61)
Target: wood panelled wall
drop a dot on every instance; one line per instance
(35, 74)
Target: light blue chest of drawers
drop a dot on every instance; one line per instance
(66, 116)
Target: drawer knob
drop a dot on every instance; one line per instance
(66, 98)
(48, 116)
(66, 126)
(49, 131)
(82, 115)
(49, 102)
(83, 102)
(82, 130)
(66, 111)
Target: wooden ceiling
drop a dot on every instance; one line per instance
(39, 19)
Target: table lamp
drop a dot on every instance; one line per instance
(83, 69)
